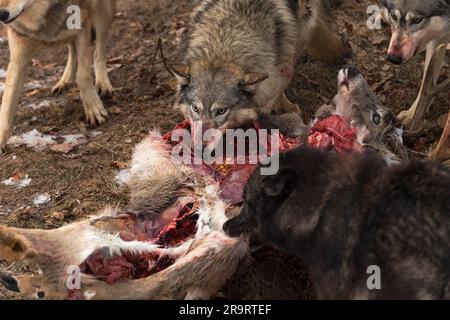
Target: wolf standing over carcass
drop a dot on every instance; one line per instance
(34, 25)
(241, 56)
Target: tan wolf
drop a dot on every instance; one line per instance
(34, 25)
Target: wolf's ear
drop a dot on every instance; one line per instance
(251, 80)
(280, 184)
(180, 72)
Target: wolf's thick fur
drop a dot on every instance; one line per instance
(34, 25)
(241, 56)
(342, 217)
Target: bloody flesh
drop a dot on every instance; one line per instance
(333, 133)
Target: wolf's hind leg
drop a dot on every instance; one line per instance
(69, 74)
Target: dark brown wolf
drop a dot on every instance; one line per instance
(346, 218)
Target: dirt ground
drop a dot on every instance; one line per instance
(82, 181)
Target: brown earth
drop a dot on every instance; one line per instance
(82, 181)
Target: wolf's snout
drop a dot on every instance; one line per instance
(4, 15)
(395, 59)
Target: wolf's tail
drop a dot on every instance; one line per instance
(322, 42)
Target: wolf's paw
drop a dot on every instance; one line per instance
(60, 87)
(4, 136)
(96, 113)
(104, 88)
(14, 247)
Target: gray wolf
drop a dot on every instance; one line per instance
(417, 25)
(342, 216)
(34, 25)
(241, 56)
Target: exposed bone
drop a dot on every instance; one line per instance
(430, 87)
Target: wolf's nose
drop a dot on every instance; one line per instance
(395, 59)
(4, 15)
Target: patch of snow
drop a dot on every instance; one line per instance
(39, 105)
(35, 84)
(95, 133)
(37, 140)
(4, 211)
(2, 73)
(32, 139)
(122, 176)
(74, 139)
(42, 199)
(22, 183)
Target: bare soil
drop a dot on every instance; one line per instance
(82, 182)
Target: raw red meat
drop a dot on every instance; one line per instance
(334, 133)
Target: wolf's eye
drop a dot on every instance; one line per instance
(221, 111)
(393, 16)
(194, 108)
(376, 118)
(417, 20)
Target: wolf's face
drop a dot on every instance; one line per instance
(414, 23)
(29, 11)
(281, 206)
(218, 98)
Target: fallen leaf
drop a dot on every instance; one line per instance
(62, 148)
(120, 165)
(57, 215)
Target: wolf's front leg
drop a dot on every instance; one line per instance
(93, 106)
(102, 22)
(413, 117)
(21, 50)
